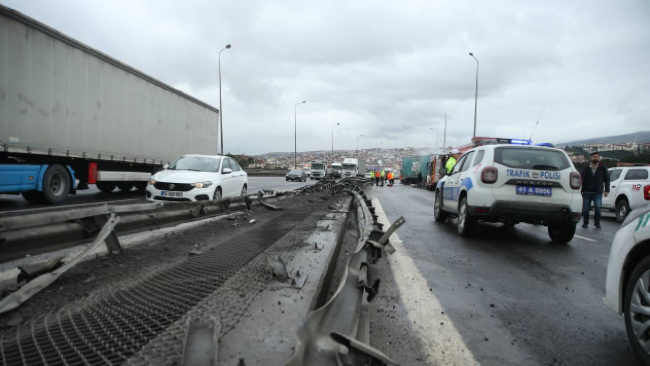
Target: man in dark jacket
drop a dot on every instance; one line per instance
(594, 177)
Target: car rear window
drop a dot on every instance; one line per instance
(636, 174)
(615, 174)
(529, 158)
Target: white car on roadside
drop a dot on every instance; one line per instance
(629, 190)
(627, 288)
(512, 183)
(198, 178)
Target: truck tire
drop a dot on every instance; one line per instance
(466, 223)
(634, 297)
(106, 187)
(34, 197)
(125, 186)
(56, 184)
(622, 210)
(438, 214)
(561, 232)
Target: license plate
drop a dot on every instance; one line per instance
(171, 194)
(534, 191)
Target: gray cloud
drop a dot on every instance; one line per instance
(386, 70)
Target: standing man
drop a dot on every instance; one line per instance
(594, 178)
(377, 177)
(383, 176)
(451, 161)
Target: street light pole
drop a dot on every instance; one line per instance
(444, 135)
(220, 107)
(295, 134)
(332, 162)
(436, 137)
(358, 146)
(475, 93)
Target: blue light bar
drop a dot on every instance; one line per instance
(521, 142)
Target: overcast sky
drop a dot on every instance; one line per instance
(386, 69)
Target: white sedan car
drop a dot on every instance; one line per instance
(198, 178)
(627, 290)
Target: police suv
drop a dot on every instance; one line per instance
(512, 183)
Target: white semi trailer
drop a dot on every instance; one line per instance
(70, 113)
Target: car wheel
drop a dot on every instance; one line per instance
(287, 179)
(125, 186)
(56, 184)
(217, 194)
(561, 232)
(438, 214)
(244, 191)
(466, 223)
(106, 187)
(636, 310)
(622, 210)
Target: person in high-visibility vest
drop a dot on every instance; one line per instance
(452, 160)
(377, 175)
(390, 179)
(383, 177)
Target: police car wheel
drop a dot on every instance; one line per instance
(561, 232)
(466, 223)
(438, 214)
(634, 303)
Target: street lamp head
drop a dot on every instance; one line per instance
(471, 54)
(228, 46)
(304, 101)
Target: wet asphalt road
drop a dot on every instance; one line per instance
(93, 195)
(513, 295)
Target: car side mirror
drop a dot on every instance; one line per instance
(226, 171)
(442, 172)
(165, 166)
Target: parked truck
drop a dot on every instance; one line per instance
(353, 167)
(336, 170)
(71, 116)
(318, 169)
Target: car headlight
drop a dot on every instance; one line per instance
(152, 182)
(202, 185)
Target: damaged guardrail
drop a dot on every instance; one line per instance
(46, 231)
(338, 333)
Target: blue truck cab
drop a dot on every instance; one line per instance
(43, 183)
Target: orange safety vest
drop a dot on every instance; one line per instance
(377, 174)
(390, 175)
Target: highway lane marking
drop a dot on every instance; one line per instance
(441, 347)
(585, 238)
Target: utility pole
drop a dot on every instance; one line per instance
(444, 135)
(220, 107)
(475, 93)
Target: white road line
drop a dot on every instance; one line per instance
(441, 347)
(585, 238)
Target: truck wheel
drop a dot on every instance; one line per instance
(466, 223)
(634, 303)
(438, 214)
(34, 197)
(141, 186)
(56, 184)
(561, 232)
(125, 186)
(622, 210)
(106, 187)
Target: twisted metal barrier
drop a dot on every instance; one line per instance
(338, 333)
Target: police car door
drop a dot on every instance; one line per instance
(451, 188)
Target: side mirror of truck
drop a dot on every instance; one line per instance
(442, 172)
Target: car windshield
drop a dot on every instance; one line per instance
(348, 166)
(528, 158)
(318, 166)
(336, 167)
(196, 164)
